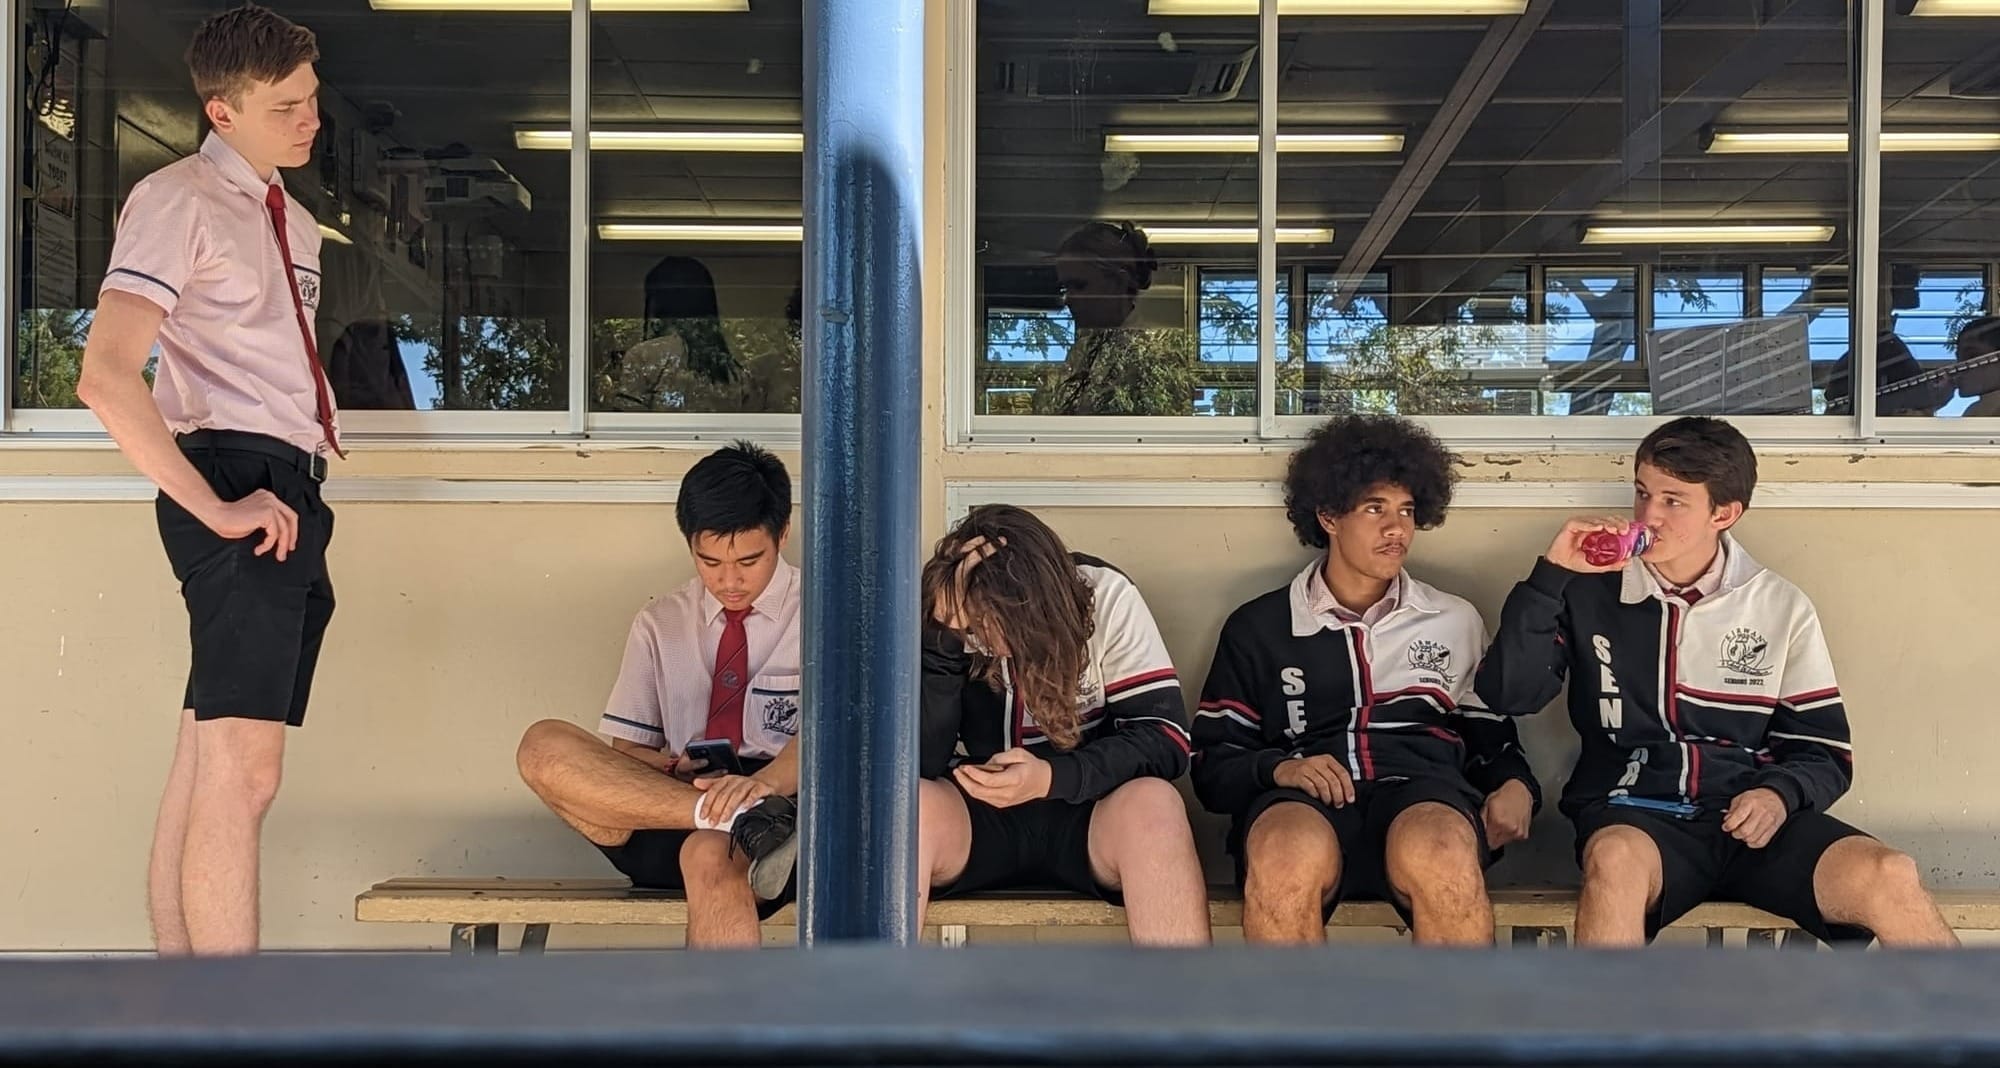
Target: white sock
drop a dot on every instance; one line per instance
(703, 823)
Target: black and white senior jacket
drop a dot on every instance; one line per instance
(1129, 699)
(1391, 700)
(1676, 702)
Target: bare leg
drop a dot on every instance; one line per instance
(238, 763)
(601, 792)
(722, 912)
(1292, 867)
(1433, 862)
(1621, 881)
(163, 868)
(944, 840)
(1140, 843)
(1860, 881)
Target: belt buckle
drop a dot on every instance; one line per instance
(317, 468)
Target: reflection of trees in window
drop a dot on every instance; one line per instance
(490, 363)
(655, 365)
(1038, 363)
(50, 343)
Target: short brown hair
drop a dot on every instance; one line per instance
(1697, 448)
(243, 46)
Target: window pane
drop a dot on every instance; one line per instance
(1116, 211)
(1515, 219)
(697, 182)
(1939, 352)
(444, 252)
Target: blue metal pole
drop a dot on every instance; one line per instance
(864, 98)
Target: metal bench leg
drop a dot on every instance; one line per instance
(534, 939)
(952, 936)
(475, 940)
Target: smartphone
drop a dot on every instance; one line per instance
(718, 755)
(1677, 809)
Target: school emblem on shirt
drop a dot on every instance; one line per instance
(1434, 657)
(1744, 651)
(308, 289)
(781, 715)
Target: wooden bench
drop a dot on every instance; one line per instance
(474, 909)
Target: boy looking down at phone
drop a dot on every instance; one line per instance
(695, 790)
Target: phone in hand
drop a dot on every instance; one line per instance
(718, 755)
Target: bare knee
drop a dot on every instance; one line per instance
(240, 763)
(1869, 873)
(944, 831)
(1145, 807)
(1291, 851)
(707, 860)
(1433, 852)
(539, 746)
(1623, 861)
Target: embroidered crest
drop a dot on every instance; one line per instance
(1745, 651)
(1434, 657)
(781, 715)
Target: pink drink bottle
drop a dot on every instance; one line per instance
(1602, 548)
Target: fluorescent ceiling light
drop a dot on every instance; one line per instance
(1235, 235)
(1954, 8)
(556, 139)
(1340, 7)
(596, 6)
(1703, 234)
(1749, 142)
(692, 231)
(1247, 142)
(334, 235)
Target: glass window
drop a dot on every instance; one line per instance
(1520, 214)
(697, 183)
(1938, 342)
(1116, 193)
(1592, 341)
(444, 255)
(1226, 324)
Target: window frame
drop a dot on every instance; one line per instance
(364, 429)
(965, 430)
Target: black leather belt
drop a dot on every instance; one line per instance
(311, 465)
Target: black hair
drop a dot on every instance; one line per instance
(732, 490)
(1348, 454)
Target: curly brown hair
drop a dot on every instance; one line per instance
(1350, 453)
(1024, 596)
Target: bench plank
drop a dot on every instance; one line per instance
(613, 901)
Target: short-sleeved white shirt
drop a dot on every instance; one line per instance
(661, 697)
(195, 237)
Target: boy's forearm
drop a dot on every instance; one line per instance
(125, 406)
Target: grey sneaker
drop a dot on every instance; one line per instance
(768, 835)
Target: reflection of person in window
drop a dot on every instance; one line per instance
(1980, 340)
(1894, 362)
(1111, 370)
(682, 347)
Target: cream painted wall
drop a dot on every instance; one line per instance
(460, 624)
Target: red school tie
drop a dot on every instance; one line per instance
(731, 680)
(274, 199)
